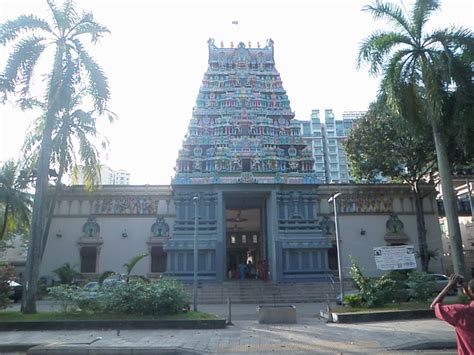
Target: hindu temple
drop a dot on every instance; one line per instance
(245, 168)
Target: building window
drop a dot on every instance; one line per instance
(88, 259)
(244, 239)
(158, 259)
(255, 239)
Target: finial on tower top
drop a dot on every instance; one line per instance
(258, 44)
(250, 45)
(231, 44)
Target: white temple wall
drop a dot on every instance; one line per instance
(114, 249)
(360, 246)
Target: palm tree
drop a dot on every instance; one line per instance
(131, 265)
(72, 64)
(74, 142)
(429, 64)
(15, 202)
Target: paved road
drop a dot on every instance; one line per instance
(311, 335)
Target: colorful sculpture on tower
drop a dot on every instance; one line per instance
(241, 129)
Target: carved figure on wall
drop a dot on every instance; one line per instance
(160, 228)
(91, 228)
(236, 162)
(256, 163)
(394, 225)
(327, 225)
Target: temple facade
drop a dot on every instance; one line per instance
(245, 187)
(246, 174)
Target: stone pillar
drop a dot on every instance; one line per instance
(306, 207)
(177, 205)
(274, 260)
(207, 212)
(285, 206)
(186, 209)
(221, 245)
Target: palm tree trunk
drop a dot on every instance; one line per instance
(449, 199)
(421, 227)
(52, 204)
(33, 260)
(5, 221)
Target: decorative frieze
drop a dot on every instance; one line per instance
(126, 205)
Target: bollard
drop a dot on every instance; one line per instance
(328, 308)
(229, 306)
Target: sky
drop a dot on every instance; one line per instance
(156, 56)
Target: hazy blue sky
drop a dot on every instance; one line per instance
(156, 56)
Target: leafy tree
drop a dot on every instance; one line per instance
(427, 64)
(396, 147)
(15, 202)
(71, 65)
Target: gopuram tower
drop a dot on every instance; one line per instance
(245, 178)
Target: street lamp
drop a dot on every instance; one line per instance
(195, 275)
(338, 245)
(469, 192)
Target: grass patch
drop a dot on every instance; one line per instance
(406, 306)
(56, 316)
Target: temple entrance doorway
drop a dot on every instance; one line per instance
(245, 238)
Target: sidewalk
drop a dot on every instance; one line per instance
(311, 335)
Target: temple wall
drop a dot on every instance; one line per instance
(360, 246)
(125, 216)
(134, 209)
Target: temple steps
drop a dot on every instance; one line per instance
(259, 292)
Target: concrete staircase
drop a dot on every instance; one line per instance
(260, 292)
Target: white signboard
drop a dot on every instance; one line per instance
(395, 258)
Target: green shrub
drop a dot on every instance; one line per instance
(67, 273)
(353, 300)
(374, 292)
(6, 274)
(421, 285)
(65, 296)
(72, 298)
(165, 296)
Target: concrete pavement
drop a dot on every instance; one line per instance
(311, 335)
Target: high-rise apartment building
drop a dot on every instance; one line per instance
(109, 176)
(325, 139)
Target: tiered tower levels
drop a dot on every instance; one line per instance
(241, 128)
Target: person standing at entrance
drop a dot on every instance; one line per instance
(264, 268)
(460, 316)
(242, 270)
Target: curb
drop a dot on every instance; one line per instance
(80, 350)
(361, 317)
(425, 345)
(112, 324)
